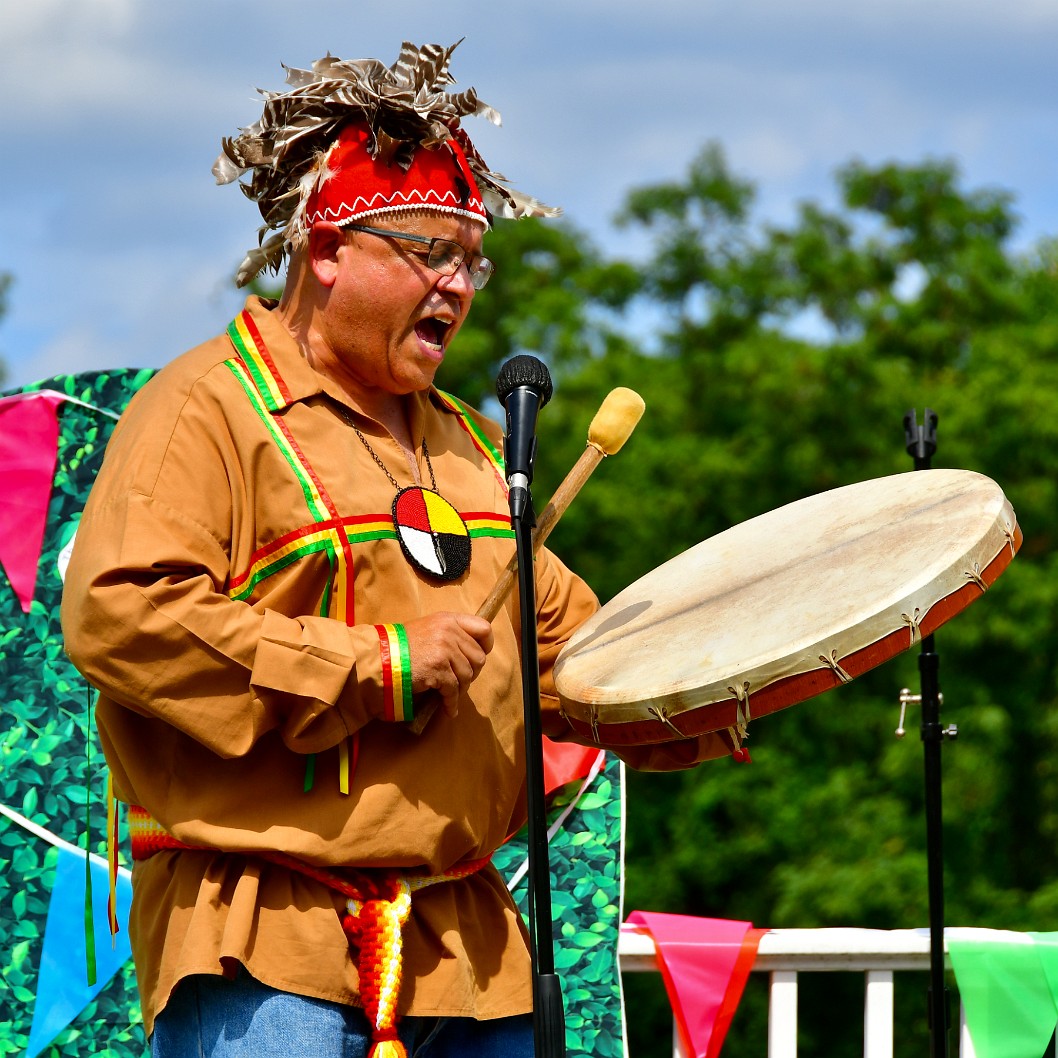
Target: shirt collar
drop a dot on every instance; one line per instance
(296, 380)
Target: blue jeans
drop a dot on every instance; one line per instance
(212, 1017)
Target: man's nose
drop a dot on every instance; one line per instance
(458, 283)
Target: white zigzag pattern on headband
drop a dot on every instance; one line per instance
(361, 206)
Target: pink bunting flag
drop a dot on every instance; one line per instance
(29, 438)
(705, 963)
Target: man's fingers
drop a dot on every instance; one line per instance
(478, 629)
(455, 682)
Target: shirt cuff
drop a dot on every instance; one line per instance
(395, 659)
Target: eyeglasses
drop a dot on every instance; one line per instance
(444, 257)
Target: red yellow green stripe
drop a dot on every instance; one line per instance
(485, 523)
(266, 391)
(254, 353)
(313, 499)
(477, 436)
(364, 527)
(359, 529)
(396, 672)
(308, 542)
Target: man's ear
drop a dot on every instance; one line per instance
(325, 240)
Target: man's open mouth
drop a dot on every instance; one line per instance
(432, 331)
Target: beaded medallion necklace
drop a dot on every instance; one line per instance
(432, 533)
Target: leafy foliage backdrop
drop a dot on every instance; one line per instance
(51, 767)
(52, 772)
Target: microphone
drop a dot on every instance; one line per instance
(523, 388)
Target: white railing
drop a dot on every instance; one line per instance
(784, 953)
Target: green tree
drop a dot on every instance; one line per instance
(915, 298)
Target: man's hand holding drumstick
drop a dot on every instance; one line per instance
(448, 650)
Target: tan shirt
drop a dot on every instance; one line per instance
(193, 602)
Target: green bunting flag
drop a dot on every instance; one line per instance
(1009, 987)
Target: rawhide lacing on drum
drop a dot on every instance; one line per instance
(913, 625)
(594, 719)
(662, 714)
(832, 663)
(1008, 532)
(974, 575)
(740, 732)
(742, 713)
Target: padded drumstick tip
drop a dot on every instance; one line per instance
(615, 420)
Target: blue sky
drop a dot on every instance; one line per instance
(122, 248)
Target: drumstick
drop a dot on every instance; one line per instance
(612, 426)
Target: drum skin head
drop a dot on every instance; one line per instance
(785, 606)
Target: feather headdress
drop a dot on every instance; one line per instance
(405, 107)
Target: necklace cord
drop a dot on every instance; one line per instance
(347, 417)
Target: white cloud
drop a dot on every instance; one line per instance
(61, 21)
(63, 54)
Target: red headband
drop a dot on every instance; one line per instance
(357, 185)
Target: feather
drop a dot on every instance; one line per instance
(268, 255)
(407, 106)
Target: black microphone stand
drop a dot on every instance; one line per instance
(921, 442)
(549, 1024)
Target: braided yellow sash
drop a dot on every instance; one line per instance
(377, 906)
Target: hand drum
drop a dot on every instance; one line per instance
(785, 606)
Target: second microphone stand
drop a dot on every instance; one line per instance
(921, 443)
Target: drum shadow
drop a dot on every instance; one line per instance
(624, 616)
